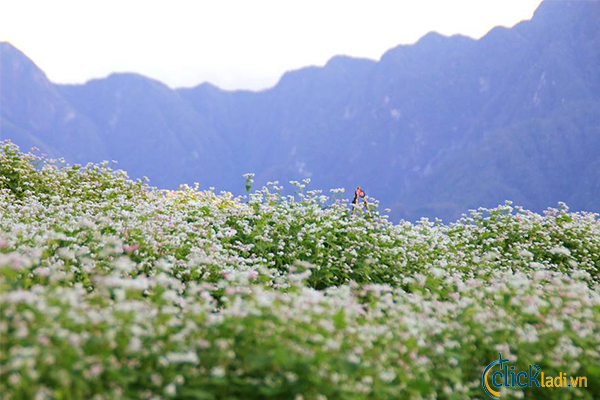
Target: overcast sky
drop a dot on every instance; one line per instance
(234, 44)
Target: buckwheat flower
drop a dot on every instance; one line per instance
(491, 256)
(135, 345)
(20, 296)
(218, 371)
(163, 265)
(420, 278)
(95, 370)
(437, 272)
(447, 389)
(124, 264)
(170, 389)
(505, 350)
(130, 248)
(367, 380)
(527, 334)
(14, 379)
(43, 271)
(542, 275)
(327, 325)
(182, 358)
(536, 265)
(387, 375)
(43, 394)
(332, 344)
(560, 250)
(353, 358)
(407, 280)
(581, 274)
(525, 254)
(566, 347)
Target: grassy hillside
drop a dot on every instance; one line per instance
(113, 290)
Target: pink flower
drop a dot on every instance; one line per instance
(130, 248)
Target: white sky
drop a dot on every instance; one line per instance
(234, 44)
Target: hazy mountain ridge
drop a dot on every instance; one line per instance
(432, 129)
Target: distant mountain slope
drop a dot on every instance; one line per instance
(33, 113)
(432, 129)
(151, 130)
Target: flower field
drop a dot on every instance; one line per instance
(113, 290)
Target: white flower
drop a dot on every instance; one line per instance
(560, 250)
(525, 254)
(387, 375)
(124, 264)
(182, 358)
(170, 389)
(135, 344)
(42, 271)
(20, 296)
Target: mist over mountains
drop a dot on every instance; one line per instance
(432, 129)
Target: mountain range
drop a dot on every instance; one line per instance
(432, 129)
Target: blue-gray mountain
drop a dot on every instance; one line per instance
(432, 129)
